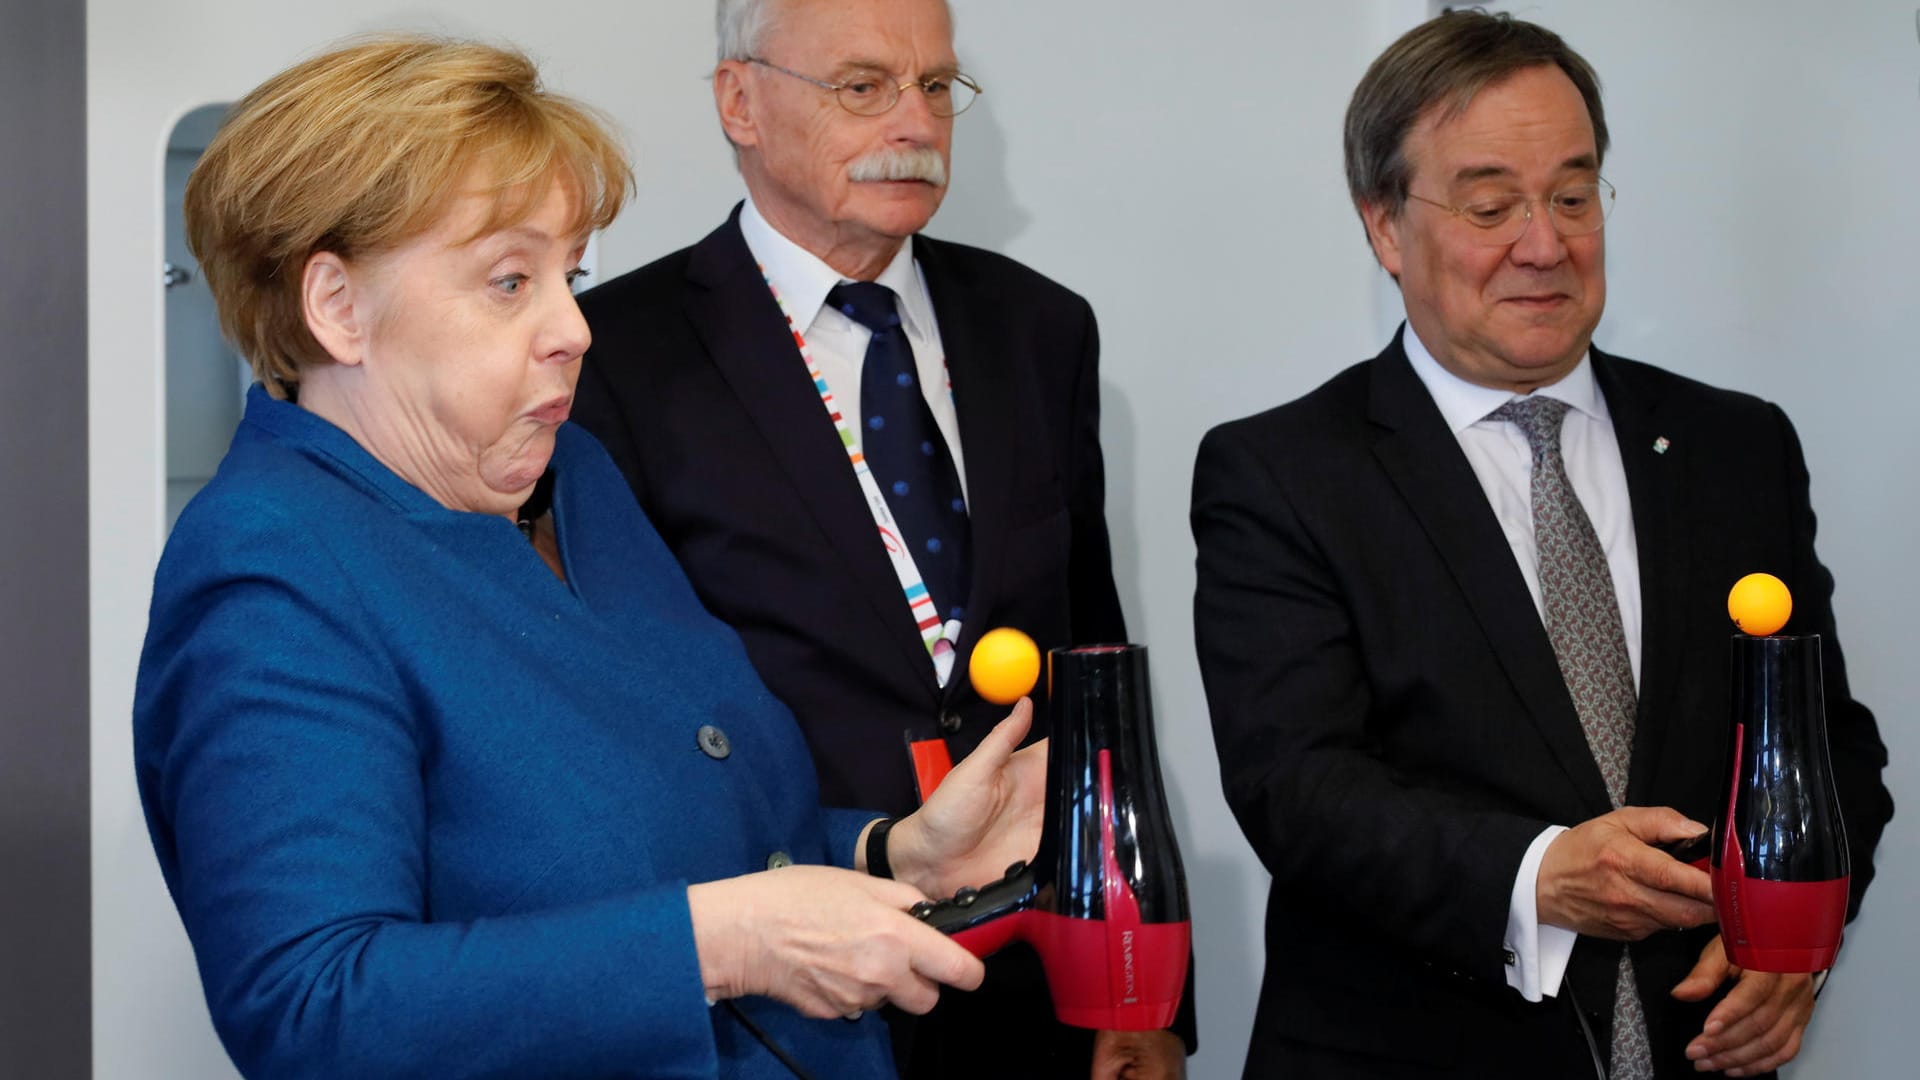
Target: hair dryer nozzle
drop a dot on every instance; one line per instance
(1780, 864)
(1105, 901)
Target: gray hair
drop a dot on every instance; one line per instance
(741, 26)
(1445, 61)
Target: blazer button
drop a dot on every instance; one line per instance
(713, 742)
(949, 721)
(779, 859)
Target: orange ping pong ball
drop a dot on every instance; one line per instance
(1759, 604)
(1005, 665)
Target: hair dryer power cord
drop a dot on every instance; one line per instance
(766, 1040)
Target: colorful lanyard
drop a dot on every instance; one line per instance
(938, 637)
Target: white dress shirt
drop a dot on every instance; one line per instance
(839, 344)
(1503, 463)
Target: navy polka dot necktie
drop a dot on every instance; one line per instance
(904, 448)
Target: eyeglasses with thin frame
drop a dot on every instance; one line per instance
(870, 93)
(1502, 219)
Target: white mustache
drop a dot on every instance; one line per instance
(893, 164)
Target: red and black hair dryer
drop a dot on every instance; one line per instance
(1105, 901)
(1780, 863)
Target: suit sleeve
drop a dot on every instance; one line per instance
(1095, 601)
(282, 775)
(843, 832)
(1853, 738)
(1374, 844)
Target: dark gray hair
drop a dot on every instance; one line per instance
(1445, 62)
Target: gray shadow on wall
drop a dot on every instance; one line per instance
(1217, 883)
(980, 207)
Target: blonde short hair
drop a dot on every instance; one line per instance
(363, 148)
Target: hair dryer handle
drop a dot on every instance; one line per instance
(982, 919)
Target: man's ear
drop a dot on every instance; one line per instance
(734, 101)
(334, 307)
(1383, 232)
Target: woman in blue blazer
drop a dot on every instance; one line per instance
(446, 779)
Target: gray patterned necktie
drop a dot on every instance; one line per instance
(1583, 622)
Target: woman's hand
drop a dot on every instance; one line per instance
(983, 817)
(829, 942)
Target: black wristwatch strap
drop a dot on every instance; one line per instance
(877, 863)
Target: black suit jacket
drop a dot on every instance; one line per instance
(1393, 730)
(695, 386)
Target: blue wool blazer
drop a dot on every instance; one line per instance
(428, 811)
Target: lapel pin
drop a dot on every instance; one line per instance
(1660, 445)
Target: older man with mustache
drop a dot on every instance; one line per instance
(868, 447)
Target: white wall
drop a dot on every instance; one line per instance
(1180, 165)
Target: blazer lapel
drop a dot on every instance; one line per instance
(980, 363)
(1654, 483)
(750, 342)
(1424, 461)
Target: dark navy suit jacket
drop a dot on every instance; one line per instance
(1393, 729)
(428, 811)
(695, 386)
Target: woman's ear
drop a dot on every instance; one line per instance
(335, 308)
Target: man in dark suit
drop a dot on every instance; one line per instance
(1459, 617)
(867, 447)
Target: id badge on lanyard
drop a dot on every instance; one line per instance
(939, 637)
(931, 763)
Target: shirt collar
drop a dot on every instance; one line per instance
(803, 280)
(1463, 404)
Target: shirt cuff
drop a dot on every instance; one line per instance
(1537, 955)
